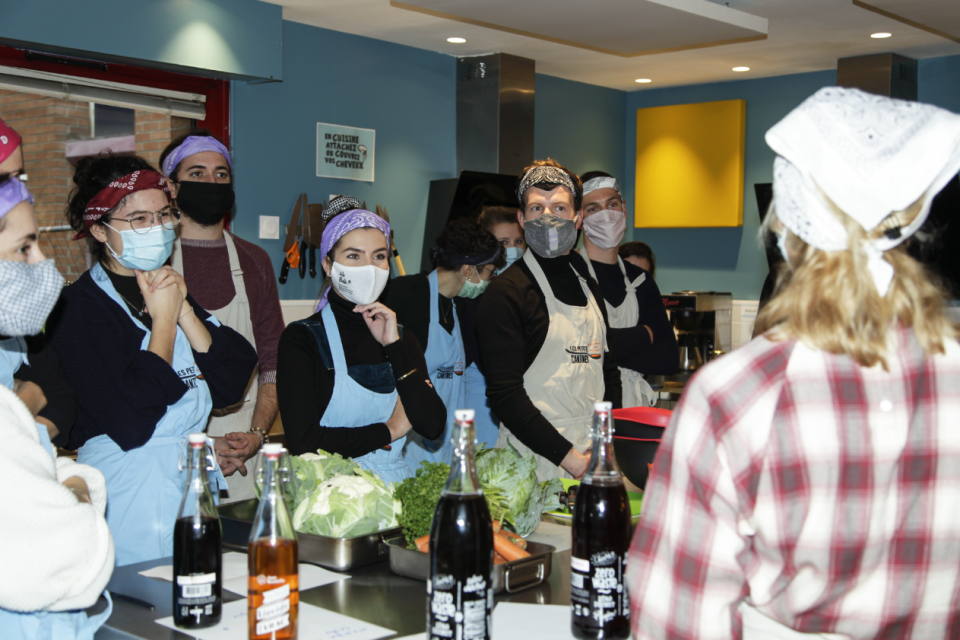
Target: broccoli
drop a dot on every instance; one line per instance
(419, 496)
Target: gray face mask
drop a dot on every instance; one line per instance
(550, 235)
(29, 292)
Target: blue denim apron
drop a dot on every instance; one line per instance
(445, 359)
(362, 394)
(52, 625)
(145, 485)
(13, 354)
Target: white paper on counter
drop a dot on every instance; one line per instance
(516, 621)
(234, 566)
(416, 636)
(559, 535)
(313, 623)
(310, 576)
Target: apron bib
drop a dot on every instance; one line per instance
(445, 358)
(353, 405)
(235, 315)
(487, 424)
(145, 485)
(566, 378)
(637, 392)
(13, 354)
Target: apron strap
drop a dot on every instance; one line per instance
(240, 291)
(434, 282)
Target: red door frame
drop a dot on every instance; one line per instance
(216, 91)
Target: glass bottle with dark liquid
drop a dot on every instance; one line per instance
(272, 557)
(197, 575)
(460, 584)
(600, 606)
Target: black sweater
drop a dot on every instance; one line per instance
(123, 391)
(44, 371)
(305, 386)
(631, 347)
(409, 298)
(512, 323)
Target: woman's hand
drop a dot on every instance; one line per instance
(31, 395)
(79, 488)
(166, 276)
(398, 423)
(381, 321)
(162, 304)
(575, 463)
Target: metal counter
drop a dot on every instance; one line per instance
(373, 594)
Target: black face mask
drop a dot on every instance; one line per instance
(205, 202)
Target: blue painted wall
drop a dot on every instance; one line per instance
(407, 95)
(940, 82)
(225, 37)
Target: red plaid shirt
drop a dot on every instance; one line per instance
(821, 493)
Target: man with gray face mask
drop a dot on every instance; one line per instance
(542, 333)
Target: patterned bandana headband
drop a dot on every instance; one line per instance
(869, 155)
(12, 193)
(601, 182)
(545, 174)
(9, 140)
(341, 225)
(191, 146)
(116, 191)
(477, 260)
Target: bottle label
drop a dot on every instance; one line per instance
(274, 613)
(598, 591)
(459, 610)
(198, 586)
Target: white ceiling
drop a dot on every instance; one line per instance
(803, 35)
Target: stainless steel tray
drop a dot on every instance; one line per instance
(511, 577)
(339, 554)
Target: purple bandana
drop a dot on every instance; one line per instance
(193, 145)
(343, 224)
(12, 193)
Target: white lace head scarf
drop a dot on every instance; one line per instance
(869, 155)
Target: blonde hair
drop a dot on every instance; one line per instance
(828, 300)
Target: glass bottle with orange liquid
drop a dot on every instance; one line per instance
(273, 588)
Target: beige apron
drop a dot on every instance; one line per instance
(566, 378)
(637, 392)
(235, 315)
(759, 626)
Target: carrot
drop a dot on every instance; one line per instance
(507, 549)
(498, 559)
(423, 544)
(514, 538)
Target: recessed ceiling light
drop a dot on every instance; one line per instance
(457, 40)
(741, 69)
(882, 34)
(644, 80)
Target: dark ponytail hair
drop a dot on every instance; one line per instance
(92, 176)
(465, 237)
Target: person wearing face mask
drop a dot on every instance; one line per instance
(641, 337)
(502, 223)
(58, 553)
(232, 278)
(542, 331)
(147, 363)
(349, 379)
(465, 257)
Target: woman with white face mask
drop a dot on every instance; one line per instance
(432, 306)
(349, 379)
(146, 362)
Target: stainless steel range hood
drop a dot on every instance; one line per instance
(885, 74)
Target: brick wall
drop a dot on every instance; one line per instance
(154, 131)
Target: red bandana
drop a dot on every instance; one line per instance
(109, 197)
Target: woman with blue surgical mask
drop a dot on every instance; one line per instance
(146, 362)
(350, 380)
(435, 307)
(502, 223)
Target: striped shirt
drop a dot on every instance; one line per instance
(824, 494)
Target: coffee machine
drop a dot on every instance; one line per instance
(702, 321)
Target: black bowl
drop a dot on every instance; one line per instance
(635, 446)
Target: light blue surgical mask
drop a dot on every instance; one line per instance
(473, 289)
(144, 251)
(512, 254)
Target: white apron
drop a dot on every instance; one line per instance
(637, 392)
(445, 357)
(235, 315)
(566, 378)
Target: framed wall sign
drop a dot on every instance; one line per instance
(345, 152)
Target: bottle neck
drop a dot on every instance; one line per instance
(463, 478)
(603, 467)
(198, 499)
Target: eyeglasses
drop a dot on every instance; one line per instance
(143, 221)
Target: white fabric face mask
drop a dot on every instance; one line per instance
(360, 285)
(605, 228)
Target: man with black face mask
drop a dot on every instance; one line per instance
(232, 278)
(542, 333)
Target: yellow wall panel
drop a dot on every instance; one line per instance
(690, 165)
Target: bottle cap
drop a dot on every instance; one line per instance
(197, 438)
(603, 406)
(463, 414)
(272, 448)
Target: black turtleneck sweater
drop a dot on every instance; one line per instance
(511, 327)
(305, 386)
